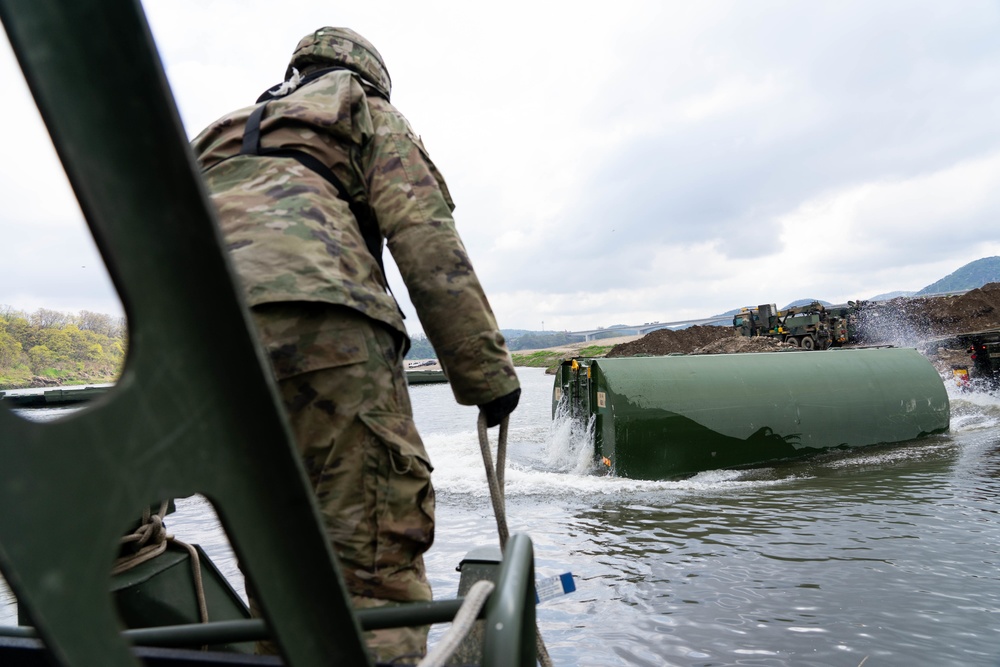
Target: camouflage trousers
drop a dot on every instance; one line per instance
(341, 379)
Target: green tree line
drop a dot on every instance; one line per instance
(420, 348)
(49, 346)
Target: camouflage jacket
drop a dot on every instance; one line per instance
(292, 239)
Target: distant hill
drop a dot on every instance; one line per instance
(972, 275)
(806, 302)
(890, 295)
(797, 302)
(517, 339)
(515, 333)
(538, 340)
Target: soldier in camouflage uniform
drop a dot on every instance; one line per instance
(306, 190)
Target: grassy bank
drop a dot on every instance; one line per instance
(549, 359)
(23, 378)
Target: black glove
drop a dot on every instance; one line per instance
(499, 408)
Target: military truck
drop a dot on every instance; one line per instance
(984, 353)
(812, 326)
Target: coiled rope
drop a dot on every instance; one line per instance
(495, 480)
(149, 540)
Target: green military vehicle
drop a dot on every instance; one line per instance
(812, 326)
(984, 353)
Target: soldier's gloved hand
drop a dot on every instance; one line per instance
(499, 408)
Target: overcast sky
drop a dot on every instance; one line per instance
(614, 163)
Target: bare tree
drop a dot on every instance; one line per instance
(44, 318)
(120, 329)
(99, 323)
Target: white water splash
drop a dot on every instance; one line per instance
(557, 460)
(570, 446)
(555, 457)
(973, 410)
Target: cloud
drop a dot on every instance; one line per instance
(710, 159)
(663, 161)
(50, 259)
(888, 224)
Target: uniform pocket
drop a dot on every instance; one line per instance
(405, 495)
(302, 338)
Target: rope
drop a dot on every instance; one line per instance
(494, 475)
(199, 588)
(495, 480)
(150, 540)
(464, 621)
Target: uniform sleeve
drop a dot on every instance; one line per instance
(414, 212)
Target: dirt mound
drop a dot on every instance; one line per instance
(906, 321)
(976, 309)
(737, 344)
(668, 341)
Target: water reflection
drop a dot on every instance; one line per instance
(847, 555)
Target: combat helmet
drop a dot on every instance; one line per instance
(329, 47)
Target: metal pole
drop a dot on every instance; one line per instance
(224, 632)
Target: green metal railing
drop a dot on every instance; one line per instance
(509, 616)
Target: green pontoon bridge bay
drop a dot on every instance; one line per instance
(674, 416)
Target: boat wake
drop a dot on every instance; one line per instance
(555, 458)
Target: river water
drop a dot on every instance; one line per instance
(881, 556)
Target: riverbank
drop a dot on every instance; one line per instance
(26, 380)
(550, 357)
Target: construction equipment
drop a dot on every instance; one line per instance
(983, 348)
(812, 326)
(984, 353)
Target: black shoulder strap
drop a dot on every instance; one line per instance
(362, 211)
(272, 92)
(370, 89)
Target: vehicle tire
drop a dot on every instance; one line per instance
(808, 343)
(792, 340)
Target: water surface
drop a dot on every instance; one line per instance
(886, 555)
